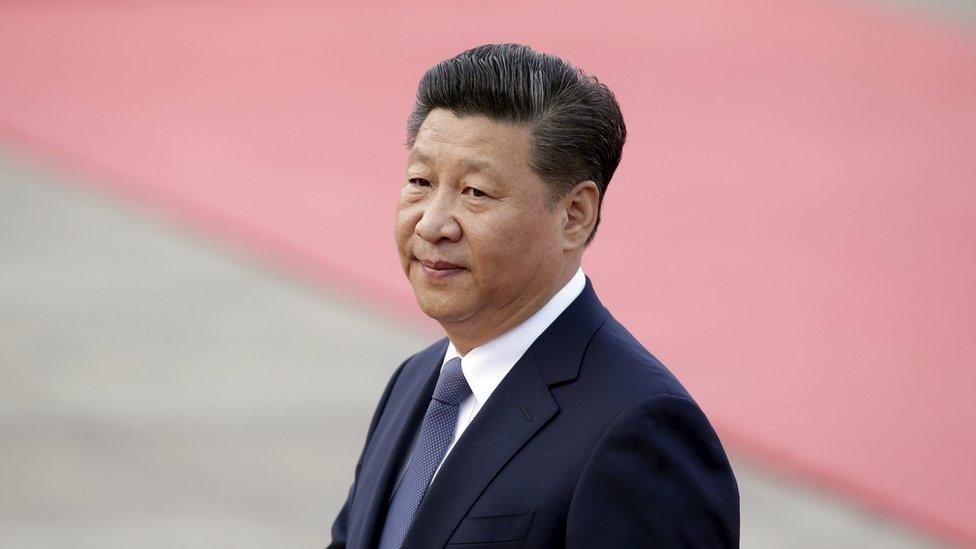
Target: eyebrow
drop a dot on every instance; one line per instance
(476, 165)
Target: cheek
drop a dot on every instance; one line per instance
(506, 244)
(533, 242)
(406, 220)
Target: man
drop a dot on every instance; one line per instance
(539, 421)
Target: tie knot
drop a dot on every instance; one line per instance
(452, 388)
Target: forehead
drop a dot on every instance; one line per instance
(474, 141)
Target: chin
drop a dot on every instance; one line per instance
(441, 309)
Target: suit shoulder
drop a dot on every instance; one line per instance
(615, 357)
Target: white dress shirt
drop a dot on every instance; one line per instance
(484, 367)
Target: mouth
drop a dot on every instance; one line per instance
(439, 269)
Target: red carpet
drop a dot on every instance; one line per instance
(791, 228)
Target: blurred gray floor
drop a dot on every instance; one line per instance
(158, 389)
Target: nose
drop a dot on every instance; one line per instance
(437, 220)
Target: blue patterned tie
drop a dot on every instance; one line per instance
(435, 436)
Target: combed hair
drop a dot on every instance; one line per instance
(577, 128)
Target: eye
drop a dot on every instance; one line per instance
(419, 182)
(477, 193)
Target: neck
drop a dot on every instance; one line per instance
(480, 329)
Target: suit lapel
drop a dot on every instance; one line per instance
(519, 407)
(496, 434)
(391, 442)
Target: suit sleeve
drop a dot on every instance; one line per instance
(340, 527)
(657, 477)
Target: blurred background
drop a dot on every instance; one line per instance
(200, 301)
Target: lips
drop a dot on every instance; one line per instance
(439, 265)
(436, 270)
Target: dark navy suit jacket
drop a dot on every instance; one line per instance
(589, 441)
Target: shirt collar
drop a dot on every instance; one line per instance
(485, 366)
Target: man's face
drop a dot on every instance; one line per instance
(475, 236)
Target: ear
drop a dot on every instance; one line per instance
(580, 205)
